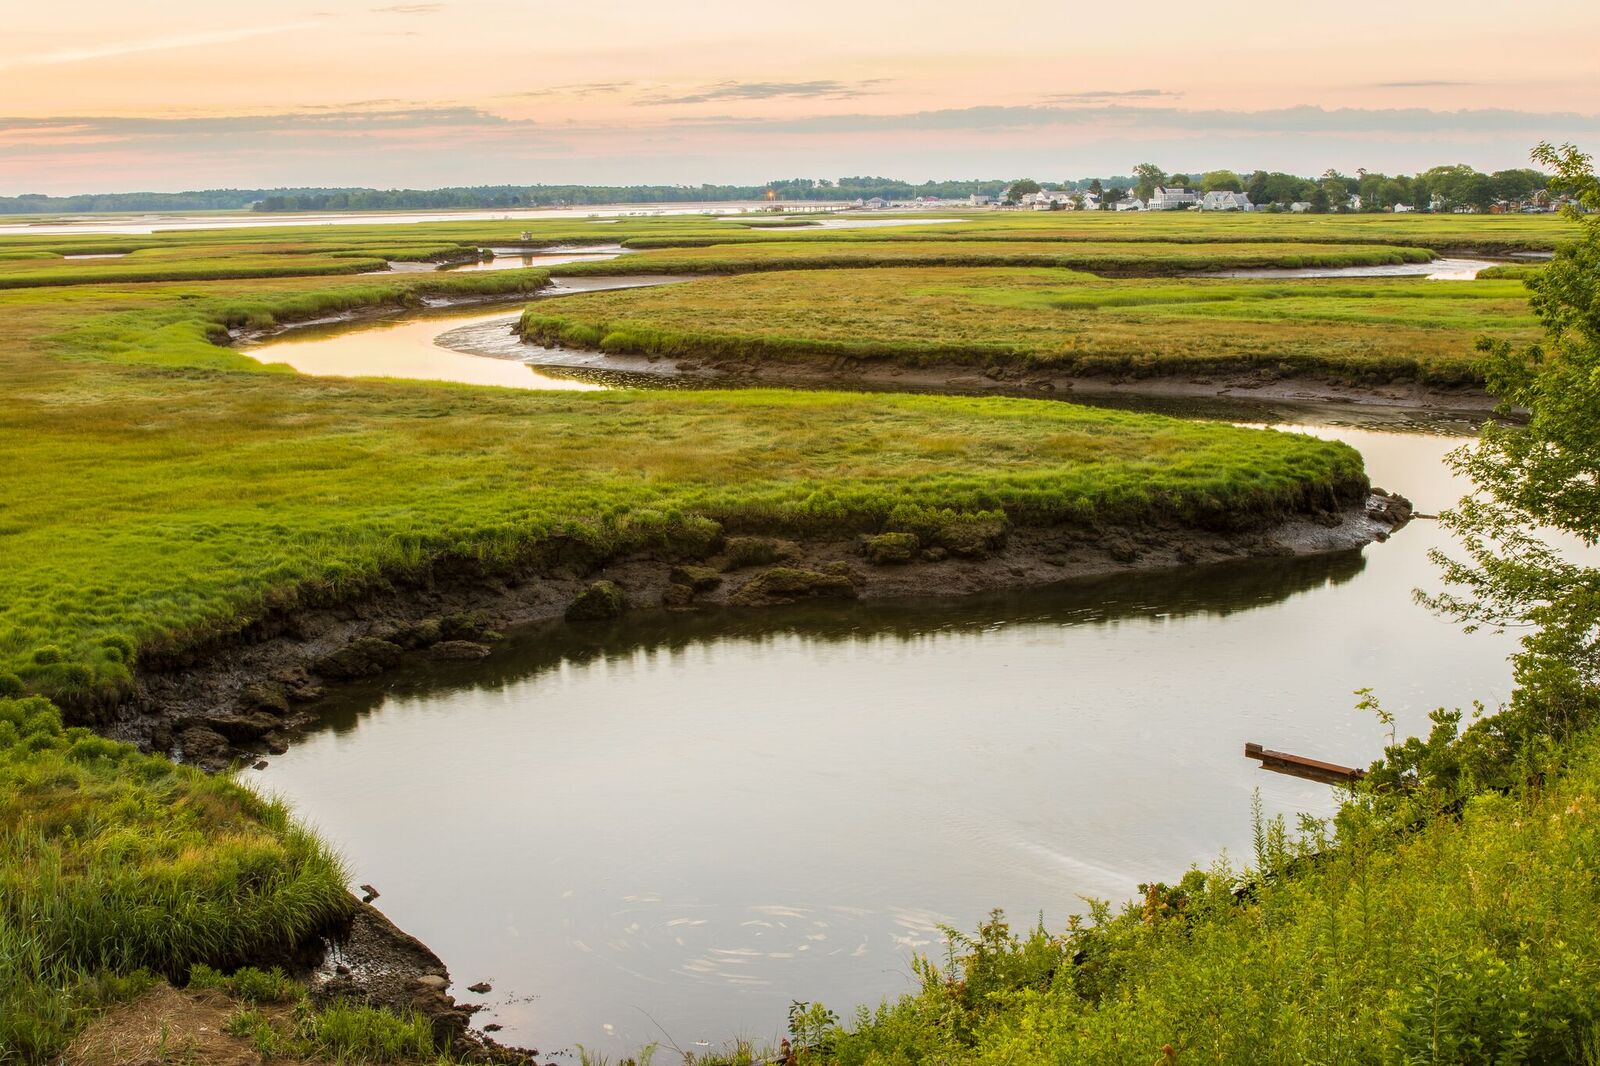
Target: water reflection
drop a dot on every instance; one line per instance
(699, 817)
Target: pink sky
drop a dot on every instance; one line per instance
(183, 94)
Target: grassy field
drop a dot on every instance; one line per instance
(161, 489)
(1363, 329)
(1106, 257)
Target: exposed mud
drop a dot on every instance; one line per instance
(845, 373)
(246, 696)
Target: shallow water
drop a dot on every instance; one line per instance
(433, 345)
(1437, 270)
(127, 223)
(680, 823)
(517, 259)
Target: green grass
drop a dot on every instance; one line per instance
(1103, 257)
(189, 490)
(116, 865)
(1362, 329)
(1470, 939)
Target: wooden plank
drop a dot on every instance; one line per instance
(1282, 762)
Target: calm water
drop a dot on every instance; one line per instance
(687, 821)
(1438, 270)
(418, 345)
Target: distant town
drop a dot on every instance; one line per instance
(1453, 190)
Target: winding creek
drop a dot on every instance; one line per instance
(674, 826)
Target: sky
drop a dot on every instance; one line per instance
(100, 96)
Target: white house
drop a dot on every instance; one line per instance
(1219, 200)
(979, 200)
(1164, 199)
(1300, 207)
(1130, 203)
(1404, 209)
(877, 203)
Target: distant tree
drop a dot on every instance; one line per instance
(1149, 176)
(1024, 187)
(1319, 200)
(1095, 187)
(1517, 184)
(1113, 195)
(1180, 180)
(1221, 181)
(1335, 188)
(1256, 188)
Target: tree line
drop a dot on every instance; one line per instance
(1447, 187)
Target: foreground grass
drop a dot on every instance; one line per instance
(1461, 939)
(116, 866)
(1363, 329)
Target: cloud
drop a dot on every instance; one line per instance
(1424, 84)
(1197, 123)
(123, 128)
(1091, 95)
(409, 9)
(594, 88)
(150, 44)
(770, 90)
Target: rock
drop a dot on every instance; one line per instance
(274, 743)
(259, 764)
(891, 549)
(785, 584)
(368, 894)
(482, 988)
(204, 747)
(697, 578)
(458, 649)
(599, 601)
(1122, 549)
(423, 634)
(266, 696)
(738, 552)
(434, 982)
(935, 554)
(675, 595)
(464, 625)
(241, 727)
(974, 536)
(362, 658)
(493, 1027)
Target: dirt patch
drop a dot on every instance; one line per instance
(169, 1027)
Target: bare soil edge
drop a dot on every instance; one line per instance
(249, 694)
(845, 373)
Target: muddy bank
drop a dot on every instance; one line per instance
(846, 373)
(248, 695)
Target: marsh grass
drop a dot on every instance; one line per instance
(1370, 329)
(116, 866)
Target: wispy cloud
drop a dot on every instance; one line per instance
(409, 9)
(150, 44)
(770, 90)
(593, 88)
(1094, 95)
(103, 128)
(1424, 84)
(1136, 120)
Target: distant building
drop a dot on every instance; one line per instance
(1404, 209)
(980, 200)
(1300, 207)
(1218, 200)
(877, 203)
(1164, 199)
(1131, 203)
